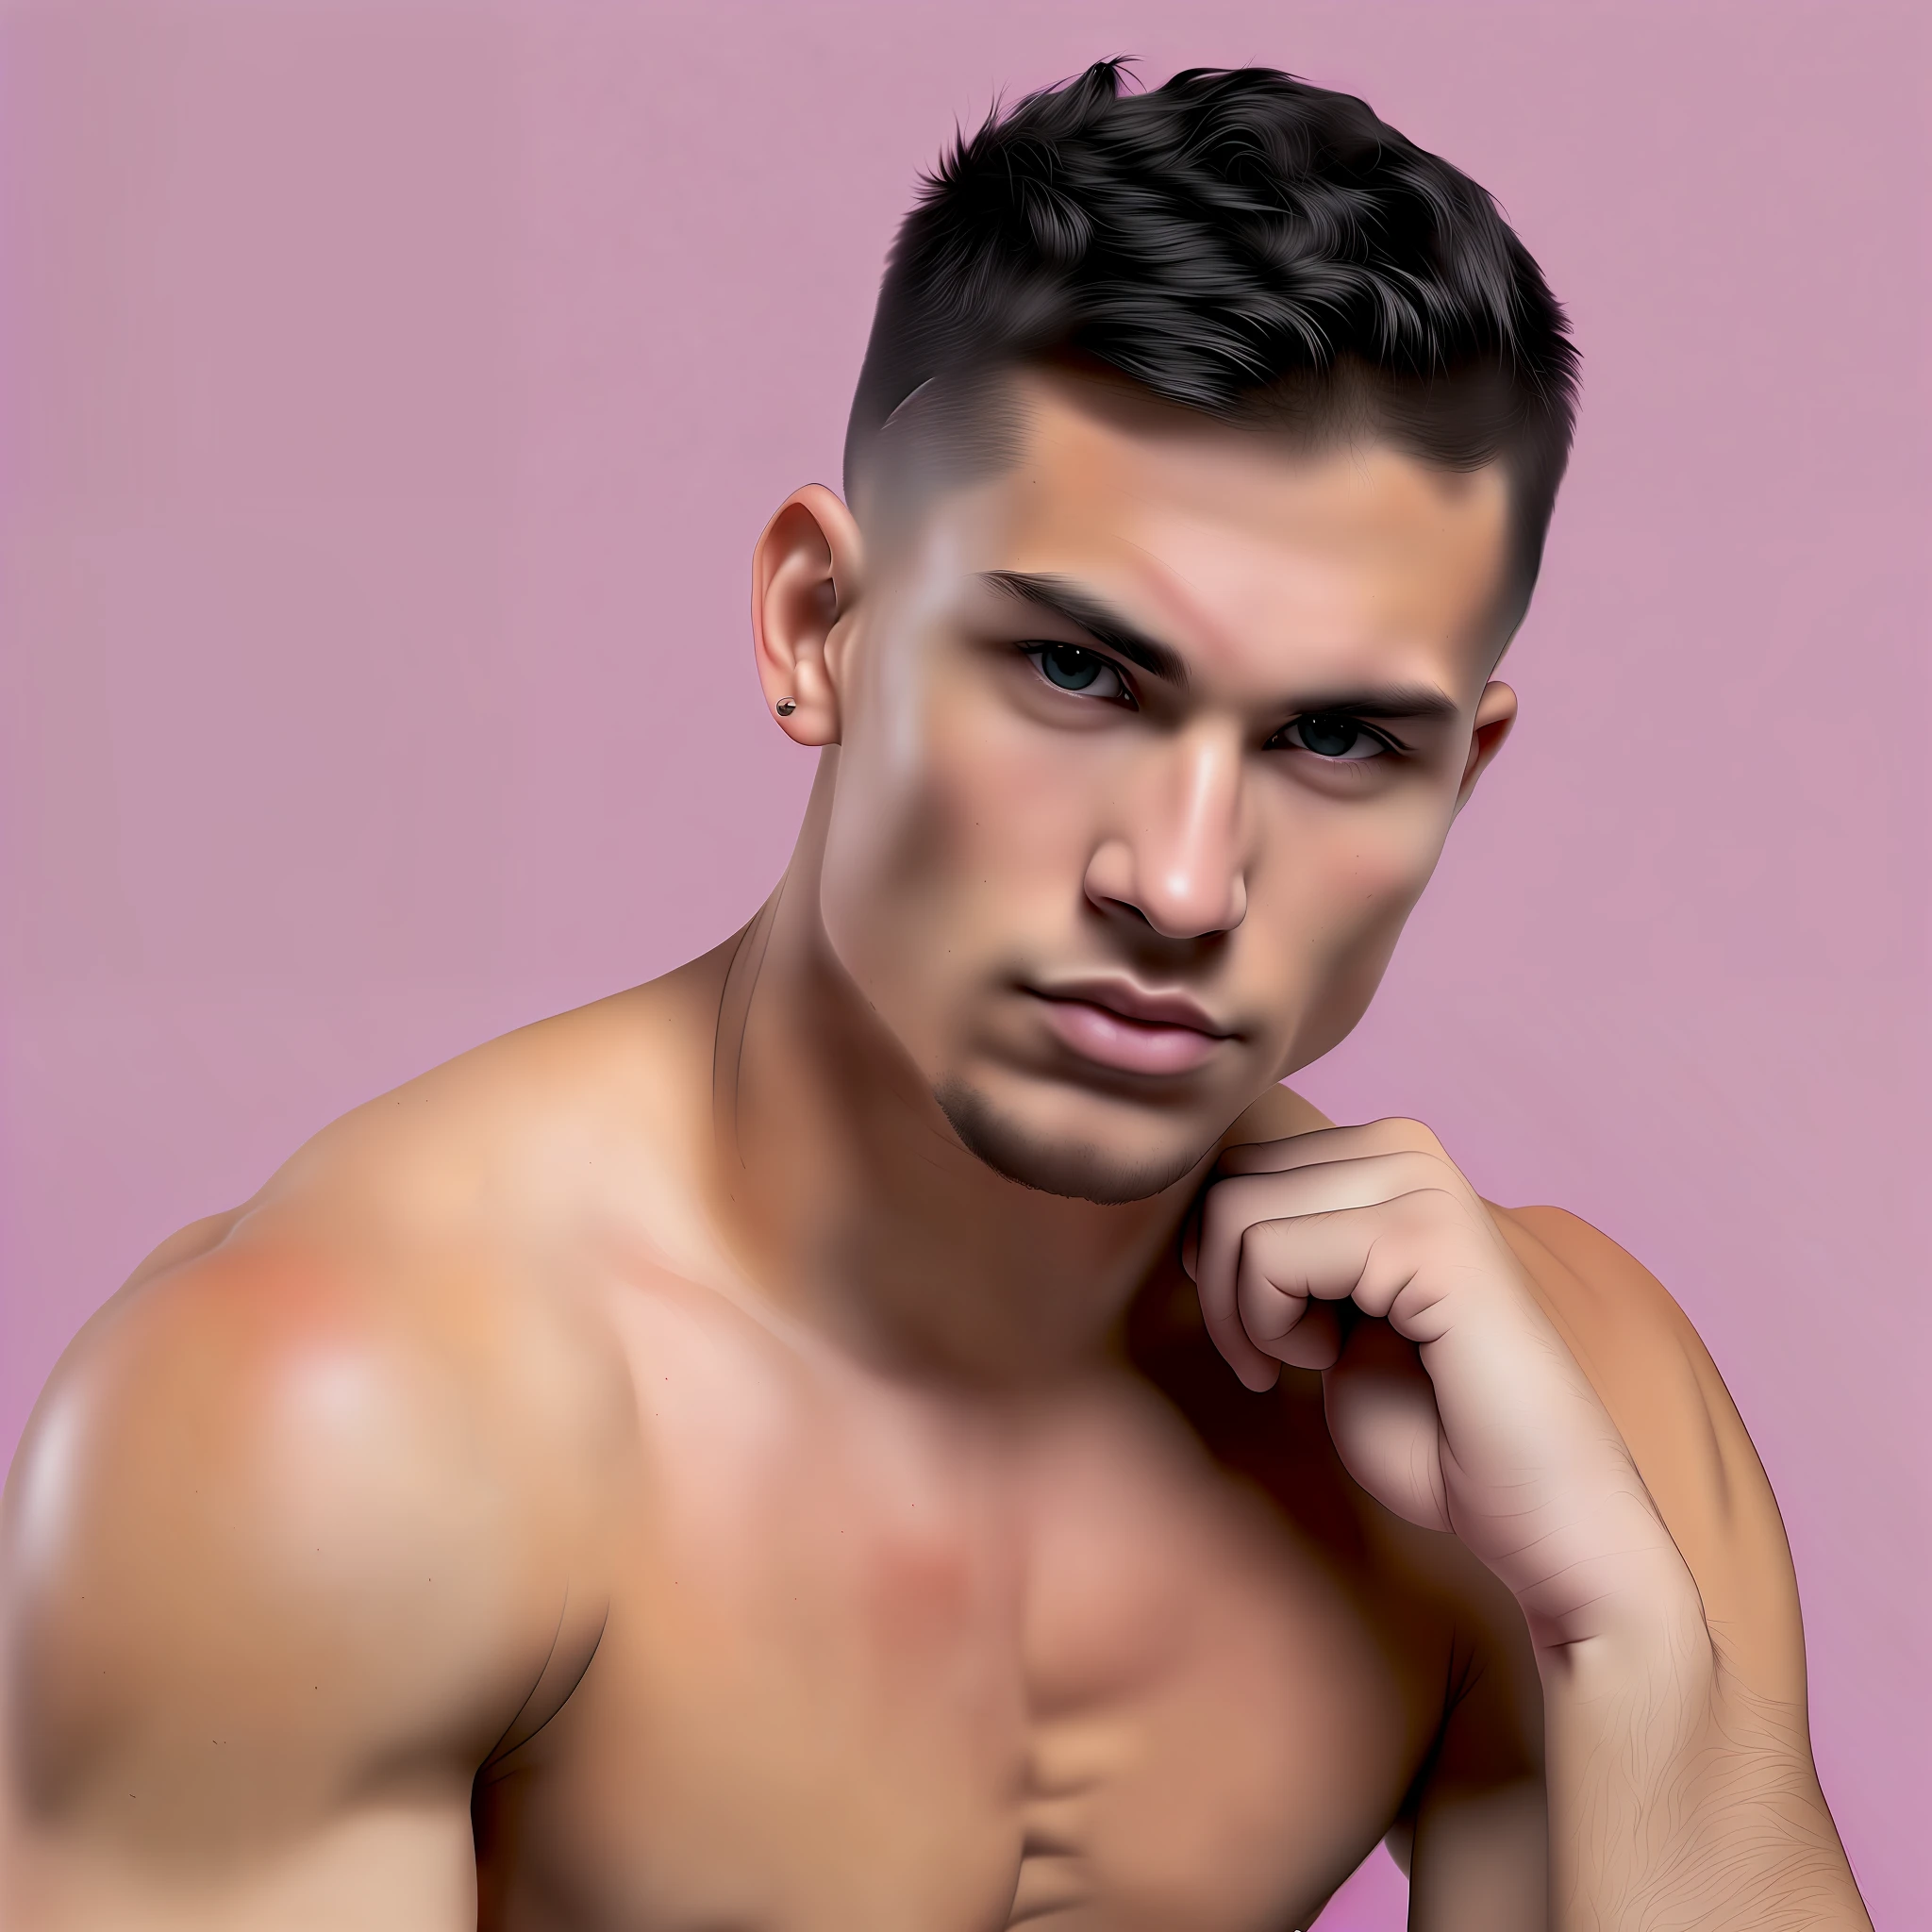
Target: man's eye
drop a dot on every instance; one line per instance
(1334, 736)
(1071, 667)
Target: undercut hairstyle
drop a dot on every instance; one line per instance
(1236, 242)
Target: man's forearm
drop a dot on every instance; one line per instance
(1679, 1799)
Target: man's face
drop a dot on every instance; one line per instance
(1149, 745)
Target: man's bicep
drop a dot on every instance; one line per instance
(263, 1616)
(379, 1865)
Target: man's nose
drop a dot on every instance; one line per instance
(1174, 852)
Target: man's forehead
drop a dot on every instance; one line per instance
(1232, 538)
(1092, 452)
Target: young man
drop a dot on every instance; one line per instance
(806, 1443)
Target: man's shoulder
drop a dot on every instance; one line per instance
(396, 1322)
(538, 1126)
(1638, 1346)
(272, 1392)
(1655, 1375)
(276, 1498)
(435, 1220)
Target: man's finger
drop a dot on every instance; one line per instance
(1393, 1136)
(1314, 1341)
(1255, 1294)
(1232, 1206)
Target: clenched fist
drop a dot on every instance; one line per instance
(1456, 1404)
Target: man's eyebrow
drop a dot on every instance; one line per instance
(1418, 701)
(1093, 615)
(1424, 703)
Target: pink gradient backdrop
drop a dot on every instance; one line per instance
(392, 395)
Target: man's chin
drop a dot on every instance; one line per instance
(1078, 1171)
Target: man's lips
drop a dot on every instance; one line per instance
(1130, 1029)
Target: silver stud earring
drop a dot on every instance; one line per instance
(785, 706)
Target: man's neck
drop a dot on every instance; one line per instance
(852, 1206)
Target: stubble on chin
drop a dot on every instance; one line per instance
(1074, 1170)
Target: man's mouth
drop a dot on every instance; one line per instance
(1130, 1029)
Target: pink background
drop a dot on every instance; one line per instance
(391, 397)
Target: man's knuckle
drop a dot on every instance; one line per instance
(1398, 1134)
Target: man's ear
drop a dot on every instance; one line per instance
(1496, 712)
(804, 577)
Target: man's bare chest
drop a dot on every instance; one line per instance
(862, 1668)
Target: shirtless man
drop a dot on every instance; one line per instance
(806, 1443)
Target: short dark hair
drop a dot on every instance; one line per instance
(1241, 243)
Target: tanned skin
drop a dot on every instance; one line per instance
(902, 1424)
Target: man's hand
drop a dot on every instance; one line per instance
(1678, 1796)
(1457, 1406)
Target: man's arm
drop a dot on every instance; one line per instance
(1680, 1789)
(281, 1564)
(1726, 1719)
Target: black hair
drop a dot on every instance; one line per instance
(1241, 243)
